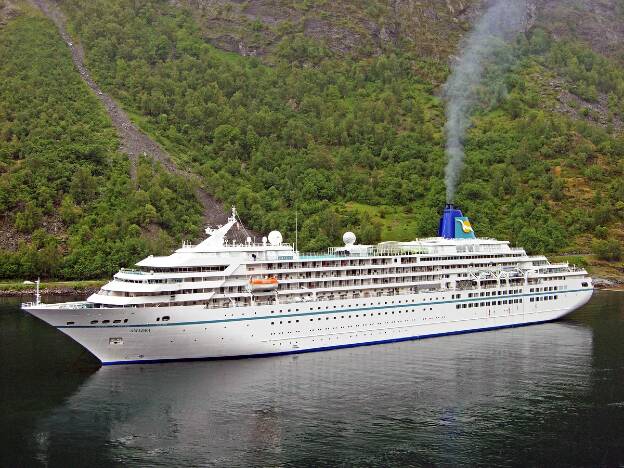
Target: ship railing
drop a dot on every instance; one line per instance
(133, 271)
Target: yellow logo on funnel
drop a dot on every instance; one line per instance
(466, 227)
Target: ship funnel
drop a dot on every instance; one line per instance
(454, 225)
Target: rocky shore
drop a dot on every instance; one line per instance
(48, 290)
(604, 283)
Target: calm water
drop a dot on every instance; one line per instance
(541, 395)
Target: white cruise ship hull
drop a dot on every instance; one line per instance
(139, 334)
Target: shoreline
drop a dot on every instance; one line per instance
(51, 288)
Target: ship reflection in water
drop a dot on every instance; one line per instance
(444, 400)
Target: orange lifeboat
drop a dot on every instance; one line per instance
(263, 284)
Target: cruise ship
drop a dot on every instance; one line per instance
(228, 299)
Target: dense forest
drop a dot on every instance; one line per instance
(348, 141)
(70, 208)
(356, 142)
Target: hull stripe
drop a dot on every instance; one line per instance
(326, 348)
(322, 312)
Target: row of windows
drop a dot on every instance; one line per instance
(93, 322)
(543, 298)
(164, 318)
(358, 325)
(371, 314)
(380, 261)
(495, 293)
(547, 288)
(487, 304)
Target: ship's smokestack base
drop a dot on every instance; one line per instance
(454, 225)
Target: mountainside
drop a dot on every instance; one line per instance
(333, 110)
(70, 208)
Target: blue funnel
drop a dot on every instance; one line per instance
(454, 225)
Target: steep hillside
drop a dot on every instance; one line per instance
(333, 110)
(70, 209)
(355, 141)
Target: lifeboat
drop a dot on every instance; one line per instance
(263, 284)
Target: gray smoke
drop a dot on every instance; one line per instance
(502, 20)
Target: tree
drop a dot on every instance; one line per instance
(83, 185)
(28, 219)
(609, 250)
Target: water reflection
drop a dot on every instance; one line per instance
(443, 400)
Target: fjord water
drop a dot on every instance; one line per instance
(549, 394)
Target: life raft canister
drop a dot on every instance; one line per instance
(263, 284)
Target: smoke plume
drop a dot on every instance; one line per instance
(501, 20)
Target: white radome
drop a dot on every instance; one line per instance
(348, 238)
(275, 238)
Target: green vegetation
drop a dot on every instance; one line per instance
(609, 250)
(346, 139)
(70, 208)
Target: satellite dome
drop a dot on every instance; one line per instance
(348, 238)
(275, 237)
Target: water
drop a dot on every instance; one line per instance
(548, 394)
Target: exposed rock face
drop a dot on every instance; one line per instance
(598, 23)
(431, 27)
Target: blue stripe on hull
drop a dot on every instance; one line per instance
(325, 348)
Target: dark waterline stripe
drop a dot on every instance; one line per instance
(324, 312)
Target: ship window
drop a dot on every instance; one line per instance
(125, 320)
(158, 319)
(117, 321)
(584, 285)
(94, 321)
(166, 318)
(105, 321)
(70, 323)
